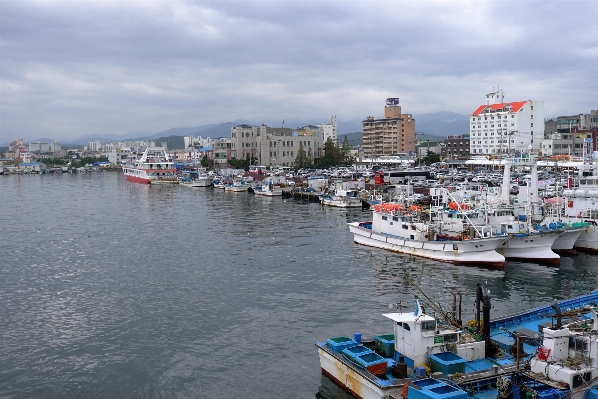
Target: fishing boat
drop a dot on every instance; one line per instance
(196, 180)
(155, 166)
(525, 243)
(580, 208)
(547, 352)
(343, 198)
(529, 242)
(236, 186)
(397, 228)
(267, 189)
(204, 179)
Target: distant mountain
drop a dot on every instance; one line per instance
(437, 125)
(443, 123)
(354, 139)
(348, 127)
(172, 142)
(43, 140)
(446, 116)
(221, 130)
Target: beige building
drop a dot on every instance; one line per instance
(395, 134)
(269, 146)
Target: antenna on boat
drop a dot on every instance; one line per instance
(397, 305)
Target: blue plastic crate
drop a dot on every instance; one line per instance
(372, 361)
(339, 344)
(385, 345)
(447, 363)
(430, 388)
(356, 351)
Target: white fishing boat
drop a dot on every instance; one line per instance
(547, 352)
(236, 186)
(155, 166)
(525, 243)
(204, 180)
(268, 190)
(397, 229)
(580, 209)
(341, 198)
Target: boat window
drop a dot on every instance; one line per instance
(578, 344)
(451, 338)
(412, 227)
(395, 218)
(384, 217)
(429, 325)
(580, 379)
(400, 323)
(406, 227)
(406, 327)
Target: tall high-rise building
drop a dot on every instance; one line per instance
(329, 130)
(501, 127)
(394, 134)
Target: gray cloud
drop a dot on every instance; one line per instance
(73, 68)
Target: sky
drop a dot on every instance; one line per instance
(74, 68)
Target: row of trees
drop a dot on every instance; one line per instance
(333, 156)
(73, 162)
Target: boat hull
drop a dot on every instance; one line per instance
(342, 203)
(236, 189)
(352, 379)
(531, 248)
(588, 240)
(478, 252)
(202, 182)
(565, 242)
(137, 179)
(277, 192)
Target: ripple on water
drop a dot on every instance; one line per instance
(114, 287)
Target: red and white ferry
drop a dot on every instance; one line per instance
(154, 166)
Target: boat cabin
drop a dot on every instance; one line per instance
(418, 335)
(573, 344)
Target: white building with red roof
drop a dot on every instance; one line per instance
(500, 127)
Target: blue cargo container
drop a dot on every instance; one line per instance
(385, 345)
(430, 388)
(354, 351)
(447, 363)
(372, 361)
(339, 344)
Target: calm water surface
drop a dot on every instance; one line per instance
(115, 289)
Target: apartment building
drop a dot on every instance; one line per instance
(393, 134)
(499, 127)
(269, 145)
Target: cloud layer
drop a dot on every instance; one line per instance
(72, 68)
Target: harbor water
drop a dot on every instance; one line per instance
(116, 289)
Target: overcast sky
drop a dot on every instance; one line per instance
(72, 68)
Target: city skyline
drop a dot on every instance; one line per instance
(82, 68)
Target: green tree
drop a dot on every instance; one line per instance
(242, 163)
(330, 153)
(301, 158)
(204, 161)
(345, 152)
(431, 157)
